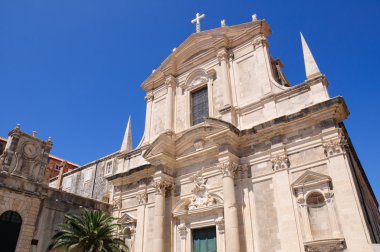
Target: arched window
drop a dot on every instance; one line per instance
(10, 225)
(318, 215)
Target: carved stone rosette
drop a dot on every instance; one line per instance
(142, 197)
(334, 147)
(182, 230)
(280, 163)
(161, 186)
(228, 168)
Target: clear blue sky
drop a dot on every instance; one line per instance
(72, 69)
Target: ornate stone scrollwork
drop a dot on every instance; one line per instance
(201, 196)
(228, 168)
(182, 230)
(280, 162)
(161, 186)
(219, 222)
(334, 147)
(142, 197)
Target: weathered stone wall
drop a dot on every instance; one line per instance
(54, 207)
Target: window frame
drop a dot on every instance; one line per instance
(192, 92)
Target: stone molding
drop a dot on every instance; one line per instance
(280, 162)
(228, 168)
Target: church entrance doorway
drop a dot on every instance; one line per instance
(204, 239)
(10, 225)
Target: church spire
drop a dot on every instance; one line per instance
(311, 66)
(127, 141)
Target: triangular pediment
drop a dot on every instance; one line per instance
(310, 178)
(204, 45)
(127, 219)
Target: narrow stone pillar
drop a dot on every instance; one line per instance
(159, 215)
(148, 115)
(142, 198)
(222, 56)
(170, 83)
(304, 217)
(332, 216)
(182, 230)
(228, 170)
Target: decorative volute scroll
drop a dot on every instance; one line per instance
(201, 196)
(117, 204)
(280, 162)
(228, 168)
(334, 147)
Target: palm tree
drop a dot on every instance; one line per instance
(89, 231)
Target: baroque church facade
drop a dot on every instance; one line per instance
(233, 158)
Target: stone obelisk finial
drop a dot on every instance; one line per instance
(197, 21)
(127, 141)
(311, 66)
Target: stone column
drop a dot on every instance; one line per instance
(304, 217)
(148, 99)
(142, 198)
(159, 214)
(222, 56)
(170, 82)
(228, 169)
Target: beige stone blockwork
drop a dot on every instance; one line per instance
(28, 208)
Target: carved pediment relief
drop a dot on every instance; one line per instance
(201, 199)
(309, 179)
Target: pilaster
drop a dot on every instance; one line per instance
(228, 168)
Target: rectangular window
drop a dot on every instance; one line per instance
(199, 106)
(108, 169)
(204, 239)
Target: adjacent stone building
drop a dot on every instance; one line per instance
(234, 158)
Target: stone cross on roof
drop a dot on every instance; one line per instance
(197, 20)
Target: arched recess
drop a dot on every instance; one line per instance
(10, 226)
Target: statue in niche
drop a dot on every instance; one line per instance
(201, 196)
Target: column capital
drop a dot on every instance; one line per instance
(170, 81)
(222, 54)
(182, 230)
(149, 96)
(335, 146)
(219, 222)
(142, 197)
(280, 162)
(161, 185)
(228, 168)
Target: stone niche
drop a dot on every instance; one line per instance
(317, 216)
